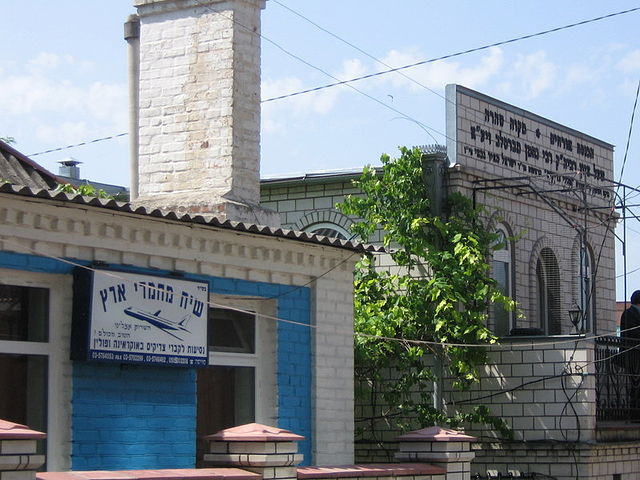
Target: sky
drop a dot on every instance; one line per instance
(63, 68)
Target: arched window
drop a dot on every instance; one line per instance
(501, 267)
(585, 300)
(548, 292)
(328, 230)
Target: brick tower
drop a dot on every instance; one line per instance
(199, 108)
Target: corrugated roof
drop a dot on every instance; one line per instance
(18, 169)
(319, 176)
(188, 218)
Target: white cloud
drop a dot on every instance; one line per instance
(532, 75)
(60, 110)
(44, 61)
(438, 74)
(630, 63)
(66, 131)
(320, 102)
(577, 74)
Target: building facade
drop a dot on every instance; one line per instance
(279, 313)
(555, 378)
(128, 331)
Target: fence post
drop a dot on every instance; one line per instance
(18, 446)
(258, 448)
(446, 448)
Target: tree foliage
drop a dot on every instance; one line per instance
(85, 189)
(441, 291)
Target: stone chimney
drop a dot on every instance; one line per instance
(69, 168)
(199, 108)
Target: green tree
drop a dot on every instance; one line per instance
(86, 190)
(8, 140)
(441, 294)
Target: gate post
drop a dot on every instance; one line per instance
(18, 447)
(258, 448)
(439, 446)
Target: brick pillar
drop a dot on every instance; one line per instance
(439, 446)
(199, 108)
(270, 451)
(18, 458)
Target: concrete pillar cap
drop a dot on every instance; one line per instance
(254, 432)
(435, 434)
(16, 431)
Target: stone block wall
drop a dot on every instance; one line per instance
(34, 232)
(302, 204)
(538, 390)
(562, 461)
(534, 226)
(199, 103)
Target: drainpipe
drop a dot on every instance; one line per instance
(132, 36)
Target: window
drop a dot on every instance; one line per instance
(24, 334)
(329, 230)
(501, 268)
(585, 300)
(548, 292)
(239, 385)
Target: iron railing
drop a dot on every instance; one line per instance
(617, 370)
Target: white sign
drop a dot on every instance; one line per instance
(148, 319)
(507, 141)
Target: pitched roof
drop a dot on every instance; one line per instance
(18, 169)
(21, 176)
(188, 218)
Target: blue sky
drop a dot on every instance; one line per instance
(63, 77)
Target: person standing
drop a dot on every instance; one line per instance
(630, 320)
(630, 333)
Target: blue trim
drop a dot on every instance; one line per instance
(111, 428)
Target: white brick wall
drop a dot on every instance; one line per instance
(515, 387)
(152, 242)
(564, 462)
(199, 110)
(333, 389)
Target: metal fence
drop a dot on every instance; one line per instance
(617, 369)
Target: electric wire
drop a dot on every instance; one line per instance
(321, 70)
(526, 345)
(626, 150)
(456, 54)
(364, 52)
(469, 110)
(87, 142)
(339, 82)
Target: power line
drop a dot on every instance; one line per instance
(626, 150)
(336, 36)
(355, 79)
(87, 142)
(452, 55)
(350, 333)
(321, 70)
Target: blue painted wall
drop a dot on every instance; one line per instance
(133, 416)
(136, 417)
(293, 353)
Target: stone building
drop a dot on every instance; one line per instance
(556, 377)
(128, 331)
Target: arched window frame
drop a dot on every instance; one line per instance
(548, 292)
(502, 272)
(329, 229)
(584, 286)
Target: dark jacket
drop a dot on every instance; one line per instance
(630, 318)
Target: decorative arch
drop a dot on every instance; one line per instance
(326, 222)
(583, 282)
(503, 272)
(544, 287)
